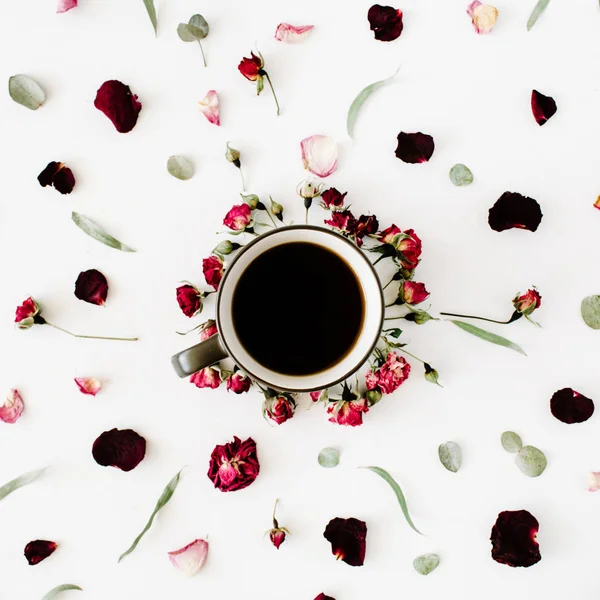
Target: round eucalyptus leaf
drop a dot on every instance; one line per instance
(531, 461)
(198, 27)
(426, 563)
(511, 442)
(461, 175)
(184, 33)
(25, 91)
(180, 167)
(329, 457)
(450, 456)
(590, 311)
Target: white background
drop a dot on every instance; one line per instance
(472, 93)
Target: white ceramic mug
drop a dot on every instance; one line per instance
(227, 344)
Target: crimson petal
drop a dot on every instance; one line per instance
(570, 406)
(348, 538)
(513, 539)
(117, 102)
(386, 22)
(414, 148)
(513, 210)
(543, 107)
(322, 596)
(91, 286)
(38, 550)
(59, 176)
(121, 448)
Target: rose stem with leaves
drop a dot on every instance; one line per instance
(39, 320)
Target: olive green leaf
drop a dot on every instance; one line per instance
(61, 588)
(426, 563)
(487, 336)
(531, 461)
(590, 311)
(539, 8)
(195, 30)
(329, 457)
(397, 490)
(180, 167)
(19, 482)
(450, 456)
(511, 442)
(164, 499)
(461, 175)
(25, 91)
(95, 231)
(149, 4)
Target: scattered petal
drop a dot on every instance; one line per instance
(460, 175)
(95, 231)
(25, 91)
(88, 385)
(570, 406)
(450, 456)
(513, 210)
(38, 550)
(590, 311)
(12, 408)
(531, 461)
(322, 596)
(65, 587)
(514, 539)
(19, 482)
(209, 107)
(386, 22)
(117, 102)
(597, 203)
(511, 442)
(426, 563)
(65, 5)
(91, 286)
(319, 155)
(121, 448)
(57, 175)
(414, 148)
(234, 465)
(329, 457)
(543, 107)
(348, 539)
(191, 558)
(180, 167)
(594, 481)
(483, 16)
(292, 34)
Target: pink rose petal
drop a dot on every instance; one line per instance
(12, 408)
(209, 106)
(319, 155)
(88, 385)
(191, 558)
(292, 34)
(65, 5)
(483, 16)
(594, 481)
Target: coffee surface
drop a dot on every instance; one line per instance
(298, 308)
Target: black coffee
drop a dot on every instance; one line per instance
(298, 308)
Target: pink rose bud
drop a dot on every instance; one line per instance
(528, 302)
(292, 34)
(189, 299)
(191, 558)
(412, 292)
(279, 409)
(212, 267)
(209, 377)
(208, 329)
(277, 534)
(91, 286)
(209, 106)
(88, 385)
(26, 314)
(12, 408)
(238, 218)
(319, 155)
(238, 383)
(483, 16)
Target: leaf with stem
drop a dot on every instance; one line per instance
(487, 336)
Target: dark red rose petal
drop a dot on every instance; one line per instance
(348, 538)
(543, 107)
(570, 406)
(59, 176)
(91, 286)
(117, 102)
(46, 177)
(322, 596)
(38, 550)
(386, 22)
(513, 539)
(513, 210)
(120, 448)
(414, 148)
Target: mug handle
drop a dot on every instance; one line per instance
(206, 353)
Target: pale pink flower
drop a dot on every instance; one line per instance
(292, 34)
(319, 155)
(191, 558)
(65, 5)
(88, 385)
(483, 16)
(209, 106)
(12, 408)
(594, 481)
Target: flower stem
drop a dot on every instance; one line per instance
(92, 337)
(273, 90)
(270, 217)
(202, 50)
(474, 317)
(242, 176)
(307, 216)
(393, 318)
(412, 355)
(275, 508)
(389, 283)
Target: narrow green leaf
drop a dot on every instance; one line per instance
(397, 490)
(487, 336)
(61, 588)
(180, 167)
(164, 499)
(149, 4)
(531, 461)
(426, 563)
(15, 484)
(537, 12)
(590, 311)
(95, 231)
(25, 91)
(329, 457)
(450, 456)
(511, 442)
(361, 99)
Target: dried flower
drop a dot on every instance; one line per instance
(212, 267)
(253, 69)
(414, 148)
(88, 385)
(209, 107)
(277, 534)
(390, 375)
(322, 596)
(276, 209)
(208, 329)
(483, 16)
(191, 558)
(412, 292)
(117, 102)
(348, 538)
(38, 550)
(348, 412)
(292, 34)
(365, 225)
(543, 107)
(238, 383)
(514, 539)
(12, 407)
(343, 221)
(59, 176)
(279, 408)
(332, 199)
(65, 5)
(91, 286)
(189, 298)
(386, 22)
(234, 465)
(320, 395)
(209, 377)
(319, 155)
(513, 210)
(309, 189)
(570, 406)
(121, 448)
(239, 218)
(526, 303)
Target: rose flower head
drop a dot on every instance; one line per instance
(413, 292)
(348, 538)
(239, 218)
(348, 412)
(390, 375)
(238, 383)
(26, 314)
(209, 377)
(234, 465)
(189, 299)
(212, 267)
(332, 199)
(253, 69)
(526, 303)
(278, 407)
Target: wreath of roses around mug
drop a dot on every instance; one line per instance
(388, 368)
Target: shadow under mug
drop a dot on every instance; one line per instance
(227, 344)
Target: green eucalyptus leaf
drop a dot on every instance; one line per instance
(531, 461)
(450, 456)
(95, 231)
(590, 311)
(461, 175)
(426, 563)
(164, 499)
(25, 91)
(362, 97)
(149, 4)
(61, 588)
(487, 336)
(329, 457)
(180, 167)
(511, 442)
(198, 26)
(19, 482)
(397, 490)
(184, 33)
(539, 8)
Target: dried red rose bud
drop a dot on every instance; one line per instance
(279, 408)
(385, 22)
(239, 218)
(322, 596)
(414, 148)
(57, 175)
(390, 375)
(234, 465)
(348, 538)
(26, 314)
(514, 539)
(513, 210)
(412, 292)
(277, 534)
(251, 68)
(409, 248)
(343, 221)
(570, 406)
(526, 303)
(209, 377)
(91, 286)
(348, 412)
(238, 383)
(212, 267)
(121, 448)
(543, 107)
(38, 550)
(189, 299)
(208, 329)
(390, 235)
(117, 102)
(332, 199)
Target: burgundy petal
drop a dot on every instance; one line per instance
(570, 406)
(322, 596)
(120, 448)
(513, 210)
(47, 175)
(386, 22)
(58, 175)
(348, 538)
(91, 286)
(414, 148)
(543, 107)
(513, 539)
(38, 550)
(117, 102)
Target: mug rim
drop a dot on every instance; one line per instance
(249, 245)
